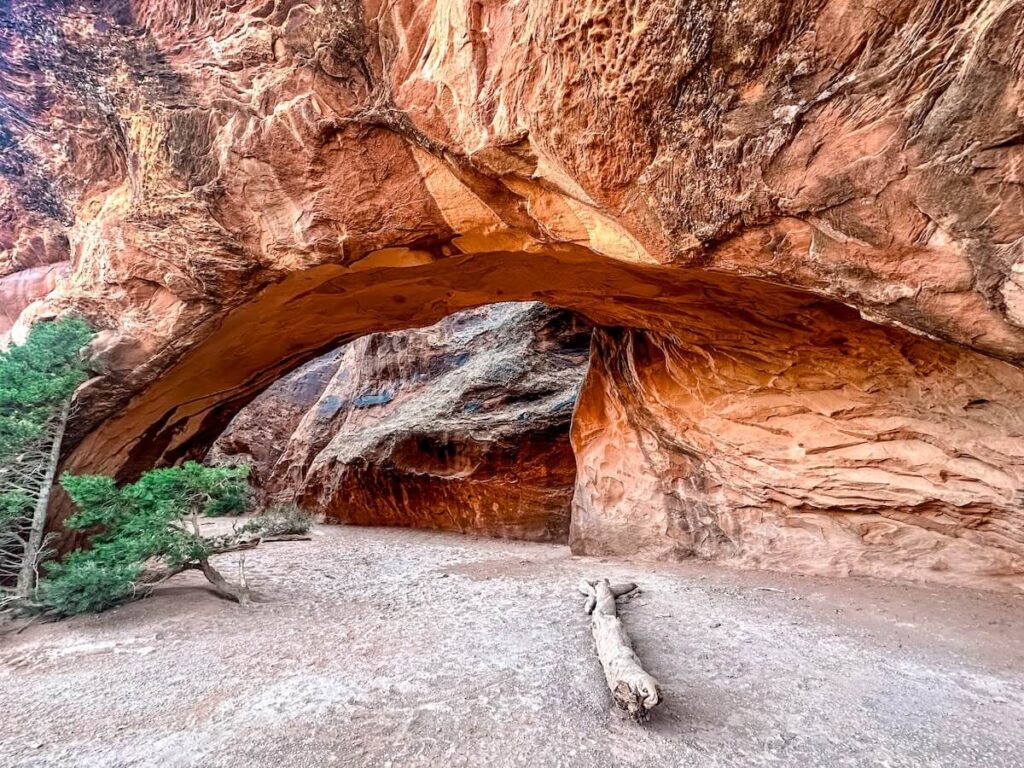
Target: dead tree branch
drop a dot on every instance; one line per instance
(633, 690)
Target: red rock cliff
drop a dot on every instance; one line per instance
(242, 185)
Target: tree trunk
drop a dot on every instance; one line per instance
(154, 576)
(633, 690)
(222, 587)
(27, 574)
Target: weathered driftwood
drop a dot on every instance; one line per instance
(633, 690)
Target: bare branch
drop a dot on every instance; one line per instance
(633, 689)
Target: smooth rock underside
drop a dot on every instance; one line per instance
(800, 227)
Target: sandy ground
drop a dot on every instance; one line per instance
(403, 648)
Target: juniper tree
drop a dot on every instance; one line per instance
(148, 531)
(37, 382)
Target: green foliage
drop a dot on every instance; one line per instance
(12, 506)
(233, 501)
(37, 377)
(88, 586)
(140, 522)
(280, 520)
(37, 380)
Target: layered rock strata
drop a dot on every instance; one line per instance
(807, 441)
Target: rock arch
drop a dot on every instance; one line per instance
(242, 185)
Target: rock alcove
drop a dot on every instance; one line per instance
(796, 228)
(460, 426)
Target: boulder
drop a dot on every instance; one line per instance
(463, 426)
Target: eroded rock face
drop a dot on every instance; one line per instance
(460, 426)
(242, 185)
(260, 433)
(20, 289)
(803, 439)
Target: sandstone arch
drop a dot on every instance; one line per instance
(737, 420)
(243, 184)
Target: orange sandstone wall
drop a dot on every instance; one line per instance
(810, 442)
(239, 187)
(461, 426)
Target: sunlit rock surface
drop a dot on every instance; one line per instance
(241, 186)
(19, 289)
(461, 426)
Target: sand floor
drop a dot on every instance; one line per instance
(387, 647)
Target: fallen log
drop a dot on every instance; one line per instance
(286, 537)
(634, 691)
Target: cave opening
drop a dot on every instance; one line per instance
(726, 418)
(462, 426)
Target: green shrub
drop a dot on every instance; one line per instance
(280, 520)
(82, 585)
(149, 522)
(235, 500)
(36, 378)
(37, 381)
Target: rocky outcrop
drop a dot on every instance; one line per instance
(259, 434)
(460, 426)
(804, 440)
(241, 186)
(20, 289)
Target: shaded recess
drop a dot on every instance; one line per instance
(733, 420)
(460, 426)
